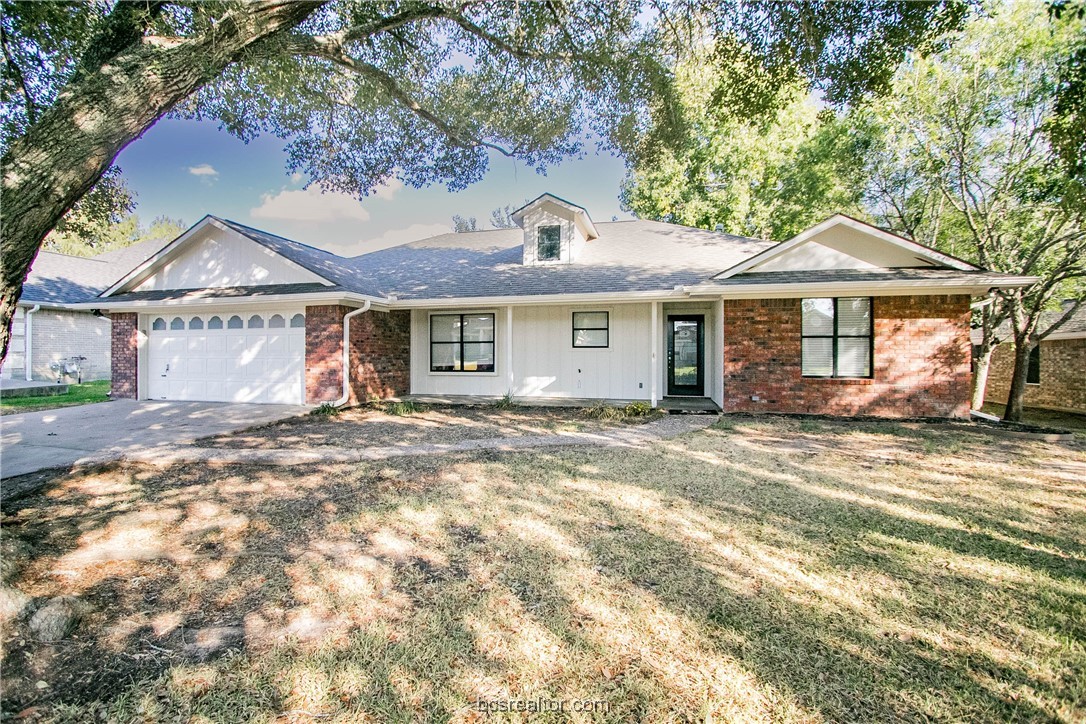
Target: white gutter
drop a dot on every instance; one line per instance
(977, 285)
(28, 342)
(105, 303)
(347, 353)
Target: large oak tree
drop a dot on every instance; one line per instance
(365, 90)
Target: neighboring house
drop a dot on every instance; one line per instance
(47, 332)
(1056, 378)
(843, 319)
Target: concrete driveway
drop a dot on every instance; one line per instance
(34, 441)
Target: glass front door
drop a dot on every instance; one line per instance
(686, 355)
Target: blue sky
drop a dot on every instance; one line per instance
(185, 169)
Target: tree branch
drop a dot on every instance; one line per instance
(17, 73)
(322, 47)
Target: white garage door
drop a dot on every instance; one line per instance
(231, 357)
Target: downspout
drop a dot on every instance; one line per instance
(28, 343)
(347, 353)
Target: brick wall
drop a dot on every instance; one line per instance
(60, 334)
(380, 354)
(1063, 376)
(324, 353)
(921, 362)
(125, 354)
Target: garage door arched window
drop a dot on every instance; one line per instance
(214, 323)
(196, 323)
(234, 323)
(298, 320)
(277, 322)
(158, 324)
(177, 323)
(256, 322)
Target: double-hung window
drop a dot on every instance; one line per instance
(590, 329)
(837, 337)
(548, 243)
(462, 343)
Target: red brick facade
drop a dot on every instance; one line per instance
(124, 350)
(380, 354)
(921, 360)
(1063, 376)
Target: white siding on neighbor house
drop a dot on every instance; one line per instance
(59, 335)
(14, 366)
(225, 259)
(545, 363)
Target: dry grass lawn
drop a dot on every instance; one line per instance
(756, 571)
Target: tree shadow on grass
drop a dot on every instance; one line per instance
(683, 580)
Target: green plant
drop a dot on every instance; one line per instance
(402, 408)
(602, 411)
(637, 409)
(506, 402)
(325, 409)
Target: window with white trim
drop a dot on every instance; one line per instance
(462, 343)
(548, 242)
(591, 329)
(837, 336)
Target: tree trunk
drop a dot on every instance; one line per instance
(1013, 413)
(64, 153)
(981, 364)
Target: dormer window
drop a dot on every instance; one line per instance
(548, 242)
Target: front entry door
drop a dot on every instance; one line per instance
(686, 355)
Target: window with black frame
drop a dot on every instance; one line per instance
(837, 337)
(462, 343)
(548, 243)
(590, 329)
(1033, 369)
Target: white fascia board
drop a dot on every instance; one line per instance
(145, 269)
(1057, 336)
(841, 220)
(542, 299)
(345, 298)
(865, 288)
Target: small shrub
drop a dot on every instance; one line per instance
(403, 408)
(506, 402)
(326, 409)
(637, 409)
(600, 411)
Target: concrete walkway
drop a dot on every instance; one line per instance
(637, 436)
(34, 441)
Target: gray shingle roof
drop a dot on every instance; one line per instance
(1075, 325)
(64, 279)
(629, 256)
(814, 276)
(263, 290)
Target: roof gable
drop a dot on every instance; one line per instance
(842, 242)
(216, 254)
(559, 207)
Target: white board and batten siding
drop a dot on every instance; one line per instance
(221, 259)
(227, 356)
(545, 362)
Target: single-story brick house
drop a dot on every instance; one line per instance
(1056, 378)
(49, 332)
(842, 319)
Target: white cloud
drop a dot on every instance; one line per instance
(204, 169)
(388, 189)
(297, 177)
(309, 205)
